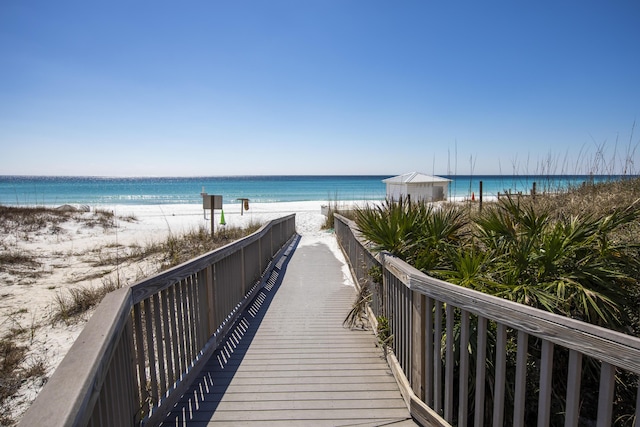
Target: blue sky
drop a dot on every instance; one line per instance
(168, 88)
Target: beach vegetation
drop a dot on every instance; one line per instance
(13, 261)
(335, 207)
(421, 234)
(576, 262)
(575, 253)
(26, 221)
(177, 249)
(357, 316)
(70, 304)
(383, 332)
(16, 368)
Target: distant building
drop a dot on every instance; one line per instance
(417, 187)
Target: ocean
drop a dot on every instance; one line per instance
(96, 191)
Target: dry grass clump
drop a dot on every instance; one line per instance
(22, 223)
(18, 262)
(596, 199)
(333, 208)
(15, 369)
(116, 254)
(30, 219)
(69, 306)
(25, 222)
(177, 249)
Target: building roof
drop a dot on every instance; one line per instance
(413, 178)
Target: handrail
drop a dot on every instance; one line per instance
(138, 352)
(439, 329)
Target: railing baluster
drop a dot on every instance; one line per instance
(129, 373)
(500, 375)
(193, 316)
(140, 354)
(110, 396)
(118, 385)
(605, 395)
(406, 317)
(186, 315)
(123, 389)
(437, 359)
(521, 379)
(150, 350)
(637, 416)
(211, 306)
(157, 315)
(167, 337)
(418, 341)
(181, 336)
(429, 353)
(449, 365)
(463, 387)
(546, 375)
(393, 314)
(203, 320)
(481, 348)
(573, 389)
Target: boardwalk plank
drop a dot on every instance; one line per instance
(299, 414)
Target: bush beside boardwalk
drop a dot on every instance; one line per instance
(573, 253)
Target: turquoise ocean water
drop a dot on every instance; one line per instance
(52, 191)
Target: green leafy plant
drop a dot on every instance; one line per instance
(569, 265)
(385, 339)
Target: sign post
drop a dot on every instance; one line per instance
(212, 202)
(244, 205)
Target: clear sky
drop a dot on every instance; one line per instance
(186, 88)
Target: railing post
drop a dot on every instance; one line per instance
(417, 355)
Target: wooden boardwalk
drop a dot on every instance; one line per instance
(290, 361)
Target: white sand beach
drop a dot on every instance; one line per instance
(66, 260)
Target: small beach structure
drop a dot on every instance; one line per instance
(417, 186)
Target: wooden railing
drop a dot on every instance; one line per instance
(143, 345)
(466, 358)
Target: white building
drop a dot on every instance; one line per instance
(417, 187)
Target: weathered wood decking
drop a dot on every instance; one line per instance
(290, 361)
